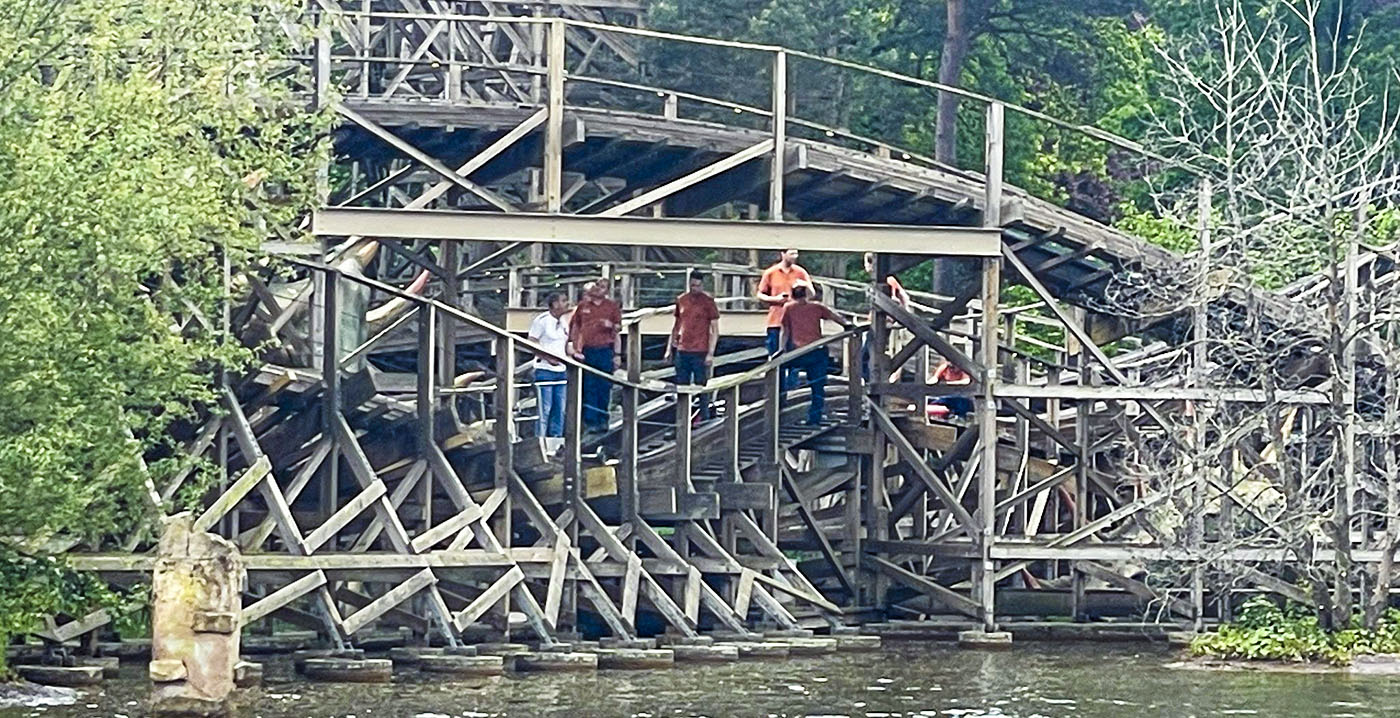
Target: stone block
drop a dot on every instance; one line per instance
(789, 633)
(675, 639)
(167, 670)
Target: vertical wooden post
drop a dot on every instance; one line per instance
(854, 382)
(731, 433)
(554, 124)
(322, 48)
(631, 400)
(991, 296)
(877, 511)
(427, 397)
(772, 447)
(503, 409)
(573, 477)
(451, 257)
(684, 405)
(778, 169)
(364, 27)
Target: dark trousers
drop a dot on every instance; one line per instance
(597, 391)
(691, 369)
(775, 335)
(814, 366)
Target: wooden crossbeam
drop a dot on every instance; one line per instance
(942, 594)
(921, 469)
(367, 497)
(390, 599)
(283, 596)
(488, 598)
(240, 488)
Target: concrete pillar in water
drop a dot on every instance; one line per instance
(196, 612)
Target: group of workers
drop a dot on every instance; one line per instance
(592, 335)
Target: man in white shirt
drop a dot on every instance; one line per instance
(551, 331)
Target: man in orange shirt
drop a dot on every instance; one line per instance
(802, 325)
(694, 336)
(775, 289)
(594, 340)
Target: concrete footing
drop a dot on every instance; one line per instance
(61, 675)
(641, 644)
(413, 655)
(635, 658)
(706, 654)
(810, 646)
(350, 670)
(763, 650)
(789, 633)
(452, 665)
(985, 640)
(855, 642)
(678, 640)
(501, 649)
(540, 662)
(110, 665)
(300, 658)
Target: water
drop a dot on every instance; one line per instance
(904, 680)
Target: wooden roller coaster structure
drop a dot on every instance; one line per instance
(379, 466)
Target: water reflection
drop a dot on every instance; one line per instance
(903, 680)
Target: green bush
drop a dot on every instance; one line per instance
(1263, 631)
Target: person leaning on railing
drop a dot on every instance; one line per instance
(802, 325)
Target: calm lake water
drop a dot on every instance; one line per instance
(904, 679)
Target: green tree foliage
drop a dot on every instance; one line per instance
(142, 144)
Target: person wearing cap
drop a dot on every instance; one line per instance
(801, 324)
(595, 340)
(693, 338)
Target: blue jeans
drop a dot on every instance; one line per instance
(771, 343)
(814, 365)
(691, 369)
(597, 391)
(551, 395)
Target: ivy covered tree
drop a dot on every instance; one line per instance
(142, 147)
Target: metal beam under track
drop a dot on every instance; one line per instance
(655, 232)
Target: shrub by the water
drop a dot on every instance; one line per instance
(1263, 631)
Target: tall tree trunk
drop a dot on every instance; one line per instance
(955, 45)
